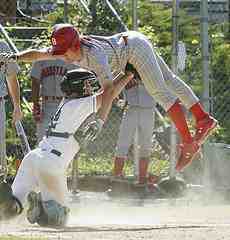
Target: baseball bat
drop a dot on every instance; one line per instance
(21, 134)
(27, 104)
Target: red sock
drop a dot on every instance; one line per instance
(118, 166)
(178, 117)
(198, 111)
(143, 169)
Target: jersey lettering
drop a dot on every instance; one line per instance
(53, 71)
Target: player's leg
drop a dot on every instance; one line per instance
(25, 179)
(204, 122)
(146, 128)
(126, 133)
(155, 84)
(144, 60)
(48, 208)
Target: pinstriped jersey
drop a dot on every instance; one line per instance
(106, 56)
(50, 74)
(6, 69)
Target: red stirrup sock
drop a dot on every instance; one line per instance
(198, 111)
(143, 169)
(178, 117)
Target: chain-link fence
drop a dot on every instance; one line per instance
(29, 19)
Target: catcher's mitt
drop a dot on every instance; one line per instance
(79, 83)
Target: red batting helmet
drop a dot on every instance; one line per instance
(62, 38)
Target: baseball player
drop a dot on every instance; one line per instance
(139, 115)
(8, 73)
(45, 166)
(108, 56)
(46, 77)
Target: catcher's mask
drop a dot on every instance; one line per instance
(80, 83)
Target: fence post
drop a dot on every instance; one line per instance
(205, 53)
(66, 11)
(173, 136)
(205, 76)
(134, 14)
(136, 154)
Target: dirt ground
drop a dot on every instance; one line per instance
(97, 216)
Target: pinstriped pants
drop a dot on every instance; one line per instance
(159, 80)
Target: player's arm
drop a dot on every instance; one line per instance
(35, 99)
(35, 90)
(14, 91)
(31, 55)
(104, 104)
(112, 92)
(99, 62)
(108, 96)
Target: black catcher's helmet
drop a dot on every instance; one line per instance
(80, 83)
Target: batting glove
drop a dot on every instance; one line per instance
(92, 130)
(36, 111)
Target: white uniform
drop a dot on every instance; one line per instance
(45, 166)
(10, 68)
(50, 74)
(109, 57)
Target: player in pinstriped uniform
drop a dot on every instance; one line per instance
(109, 56)
(46, 76)
(8, 73)
(139, 114)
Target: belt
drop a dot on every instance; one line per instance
(56, 152)
(57, 134)
(51, 98)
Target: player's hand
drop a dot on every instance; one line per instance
(17, 114)
(92, 130)
(36, 111)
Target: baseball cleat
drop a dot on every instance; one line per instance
(204, 129)
(34, 210)
(189, 151)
